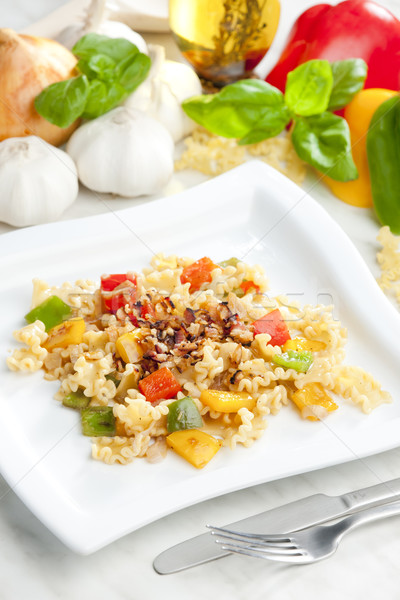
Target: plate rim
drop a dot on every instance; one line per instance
(258, 173)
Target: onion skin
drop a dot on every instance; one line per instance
(28, 64)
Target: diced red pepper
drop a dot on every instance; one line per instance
(198, 273)
(147, 310)
(160, 385)
(110, 282)
(246, 286)
(273, 324)
(118, 290)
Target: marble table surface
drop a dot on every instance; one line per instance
(35, 564)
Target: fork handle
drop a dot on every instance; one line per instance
(388, 491)
(366, 516)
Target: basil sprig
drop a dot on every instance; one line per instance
(253, 110)
(110, 70)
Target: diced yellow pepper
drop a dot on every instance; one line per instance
(313, 394)
(128, 346)
(66, 333)
(195, 446)
(302, 345)
(227, 402)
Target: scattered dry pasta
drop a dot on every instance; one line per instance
(187, 335)
(389, 261)
(213, 155)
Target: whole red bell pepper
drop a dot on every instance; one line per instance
(351, 29)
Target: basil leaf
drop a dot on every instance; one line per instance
(308, 88)
(133, 71)
(271, 125)
(236, 109)
(103, 96)
(63, 102)
(98, 66)
(323, 141)
(93, 43)
(348, 78)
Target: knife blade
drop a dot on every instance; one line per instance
(299, 514)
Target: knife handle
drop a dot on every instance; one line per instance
(375, 494)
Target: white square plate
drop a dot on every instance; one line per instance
(254, 213)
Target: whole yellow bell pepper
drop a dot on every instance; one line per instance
(358, 114)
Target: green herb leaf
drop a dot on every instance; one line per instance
(111, 69)
(99, 66)
(269, 126)
(323, 141)
(237, 108)
(93, 43)
(103, 96)
(63, 102)
(348, 79)
(309, 87)
(132, 71)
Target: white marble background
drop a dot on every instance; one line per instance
(35, 565)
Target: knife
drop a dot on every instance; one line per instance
(299, 514)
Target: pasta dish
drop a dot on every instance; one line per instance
(188, 354)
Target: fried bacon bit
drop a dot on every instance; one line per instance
(223, 311)
(168, 336)
(219, 382)
(179, 336)
(237, 376)
(189, 315)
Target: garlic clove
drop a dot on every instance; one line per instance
(113, 29)
(123, 152)
(37, 181)
(161, 95)
(96, 21)
(28, 65)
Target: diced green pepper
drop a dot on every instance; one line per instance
(183, 414)
(51, 312)
(230, 262)
(76, 400)
(98, 421)
(299, 361)
(112, 377)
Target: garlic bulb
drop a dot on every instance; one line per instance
(95, 21)
(168, 84)
(123, 152)
(28, 65)
(37, 181)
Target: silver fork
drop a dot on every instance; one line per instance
(305, 546)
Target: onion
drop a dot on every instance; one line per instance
(157, 451)
(314, 411)
(27, 65)
(236, 306)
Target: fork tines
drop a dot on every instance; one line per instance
(255, 544)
